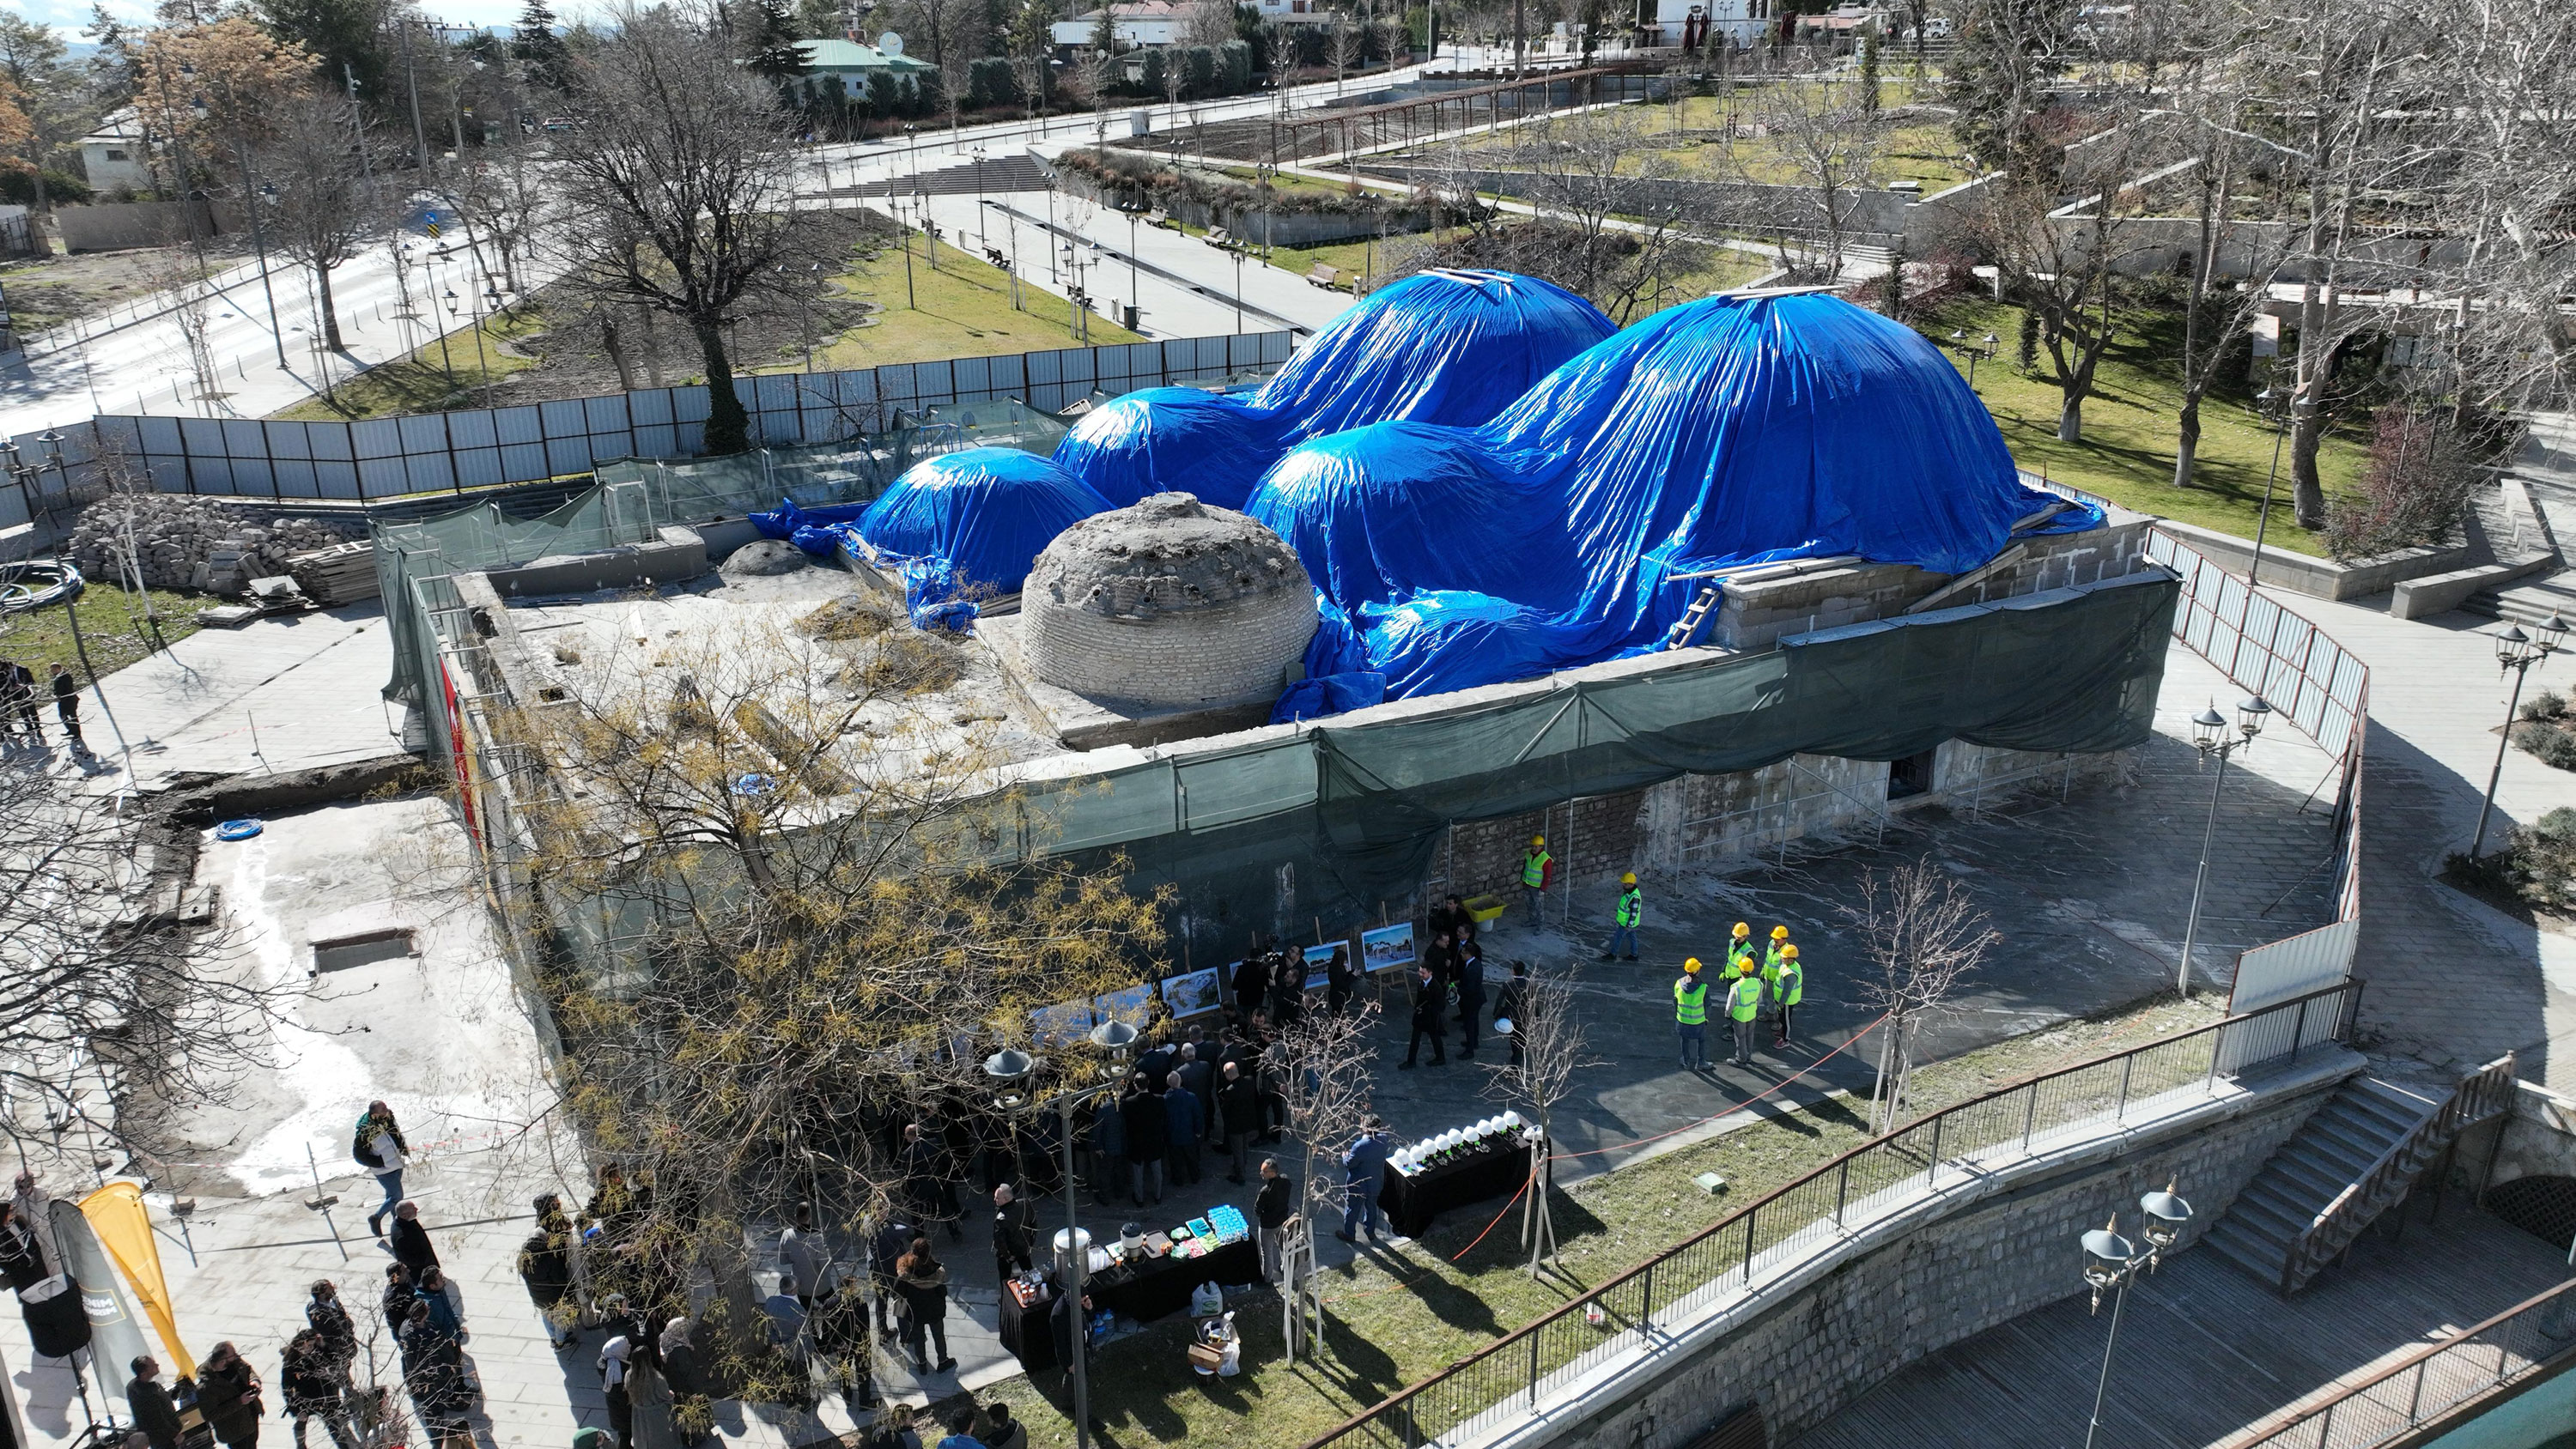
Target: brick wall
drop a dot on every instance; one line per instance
(1755, 615)
(1820, 1348)
(1593, 837)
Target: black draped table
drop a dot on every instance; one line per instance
(1029, 1333)
(1412, 1202)
(1157, 1287)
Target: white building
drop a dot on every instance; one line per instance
(1163, 22)
(113, 156)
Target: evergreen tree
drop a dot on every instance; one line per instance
(1154, 67)
(885, 94)
(344, 39)
(1869, 73)
(766, 31)
(535, 45)
(1201, 75)
(1104, 35)
(1234, 68)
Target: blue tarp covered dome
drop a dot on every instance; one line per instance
(1448, 347)
(1728, 432)
(971, 522)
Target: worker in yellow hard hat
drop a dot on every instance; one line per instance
(1537, 869)
(1788, 982)
(1690, 1016)
(1743, 1008)
(1740, 945)
(1771, 953)
(1625, 916)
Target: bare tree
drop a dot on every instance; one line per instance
(1326, 1068)
(1209, 23)
(1833, 141)
(502, 190)
(810, 945)
(313, 187)
(1926, 937)
(680, 168)
(1583, 173)
(1345, 44)
(1547, 1050)
(116, 1001)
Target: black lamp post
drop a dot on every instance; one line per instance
(2516, 652)
(2112, 1262)
(1011, 1072)
(2209, 736)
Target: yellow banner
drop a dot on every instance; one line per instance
(116, 1214)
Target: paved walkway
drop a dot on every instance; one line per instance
(275, 694)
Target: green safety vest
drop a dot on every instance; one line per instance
(1632, 903)
(1770, 959)
(1744, 998)
(1690, 1001)
(1534, 869)
(1737, 951)
(1788, 983)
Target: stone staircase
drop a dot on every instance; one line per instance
(2337, 1147)
(2358, 1156)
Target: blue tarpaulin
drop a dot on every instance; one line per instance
(1443, 347)
(806, 527)
(1724, 433)
(968, 524)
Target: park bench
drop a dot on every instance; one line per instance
(1325, 276)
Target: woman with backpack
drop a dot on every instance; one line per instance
(378, 1146)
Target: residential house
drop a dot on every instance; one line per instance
(113, 156)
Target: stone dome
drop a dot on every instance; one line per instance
(1167, 602)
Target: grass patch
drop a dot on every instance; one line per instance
(961, 308)
(1390, 1325)
(111, 625)
(2127, 453)
(1694, 139)
(446, 374)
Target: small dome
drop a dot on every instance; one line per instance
(1167, 602)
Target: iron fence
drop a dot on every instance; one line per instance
(2432, 1381)
(1810, 1215)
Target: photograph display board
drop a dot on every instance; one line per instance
(1192, 993)
(1319, 961)
(1387, 948)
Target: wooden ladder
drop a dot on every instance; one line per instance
(1679, 636)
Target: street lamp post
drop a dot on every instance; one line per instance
(2209, 736)
(2515, 652)
(979, 196)
(2112, 1262)
(1011, 1072)
(2301, 407)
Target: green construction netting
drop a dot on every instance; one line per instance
(634, 497)
(1339, 822)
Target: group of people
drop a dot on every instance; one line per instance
(21, 701)
(1758, 980)
(1450, 979)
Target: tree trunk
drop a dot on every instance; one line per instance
(2070, 414)
(614, 343)
(330, 314)
(2186, 439)
(728, 425)
(2307, 492)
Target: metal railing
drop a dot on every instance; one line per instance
(1809, 1215)
(2432, 1381)
(2484, 1093)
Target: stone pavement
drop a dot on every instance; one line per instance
(275, 694)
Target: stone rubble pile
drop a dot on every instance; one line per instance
(192, 543)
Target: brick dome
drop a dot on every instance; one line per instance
(1168, 602)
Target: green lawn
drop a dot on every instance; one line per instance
(1695, 141)
(449, 373)
(1393, 1320)
(2128, 448)
(961, 308)
(112, 627)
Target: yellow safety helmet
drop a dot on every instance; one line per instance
(1742, 930)
(1691, 965)
(1744, 967)
(1628, 878)
(1779, 933)
(1538, 842)
(1788, 953)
